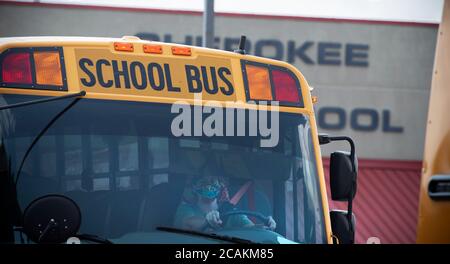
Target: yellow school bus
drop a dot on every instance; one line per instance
(434, 204)
(104, 140)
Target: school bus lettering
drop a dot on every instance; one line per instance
(152, 69)
(193, 74)
(118, 73)
(139, 83)
(102, 72)
(222, 72)
(197, 81)
(83, 66)
(138, 76)
(101, 81)
(169, 79)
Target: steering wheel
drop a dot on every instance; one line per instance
(263, 218)
(224, 216)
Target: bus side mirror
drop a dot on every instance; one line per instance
(51, 219)
(343, 170)
(343, 176)
(343, 173)
(342, 228)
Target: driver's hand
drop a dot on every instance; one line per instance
(272, 224)
(213, 219)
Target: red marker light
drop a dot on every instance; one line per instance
(16, 68)
(286, 89)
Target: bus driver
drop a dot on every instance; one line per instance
(208, 193)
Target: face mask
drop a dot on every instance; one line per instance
(210, 191)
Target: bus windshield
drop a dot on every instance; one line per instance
(119, 161)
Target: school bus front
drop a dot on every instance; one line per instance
(125, 128)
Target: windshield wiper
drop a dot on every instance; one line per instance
(231, 239)
(3, 107)
(94, 238)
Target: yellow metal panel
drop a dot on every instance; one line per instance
(434, 216)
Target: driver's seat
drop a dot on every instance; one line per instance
(254, 199)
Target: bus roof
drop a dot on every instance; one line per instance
(132, 69)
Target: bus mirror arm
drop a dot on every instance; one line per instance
(325, 139)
